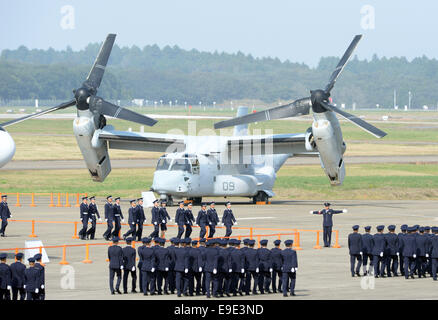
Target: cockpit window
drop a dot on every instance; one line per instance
(181, 165)
(163, 164)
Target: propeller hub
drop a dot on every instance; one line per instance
(316, 97)
(81, 97)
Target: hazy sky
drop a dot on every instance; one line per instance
(300, 31)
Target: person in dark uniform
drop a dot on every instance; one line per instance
(115, 256)
(181, 261)
(93, 215)
(223, 267)
(197, 263)
(428, 258)
(213, 219)
(392, 252)
(140, 263)
(17, 272)
(265, 267)
(289, 268)
(171, 274)
(423, 245)
(109, 217)
(202, 221)
(228, 219)
(237, 267)
(245, 265)
(409, 252)
(276, 266)
(180, 219)
(252, 261)
(141, 218)
(434, 252)
(5, 278)
(211, 266)
(403, 228)
(190, 219)
(155, 219)
(379, 247)
(148, 267)
(164, 217)
(42, 287)
(129, 256)
(162, 260)
(367, 251)
(32, 280)
(132, 220)
(355, 246)
(327, 224)
(118, 217)
(5, 214)
(83, 208)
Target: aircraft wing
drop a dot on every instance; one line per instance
(293, 144)
(141, 141)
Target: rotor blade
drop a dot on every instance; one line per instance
(296, 108)
(96, 73)
(34, 115)
(357, 121)
(109, 109)
(342, 63)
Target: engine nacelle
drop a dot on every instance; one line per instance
(330, 148)
(95, 155)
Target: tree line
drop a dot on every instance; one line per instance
(171, 73)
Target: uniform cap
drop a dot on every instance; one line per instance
(380, 228)
(426, 228)
(227, 203)
(327, 204)
(404, 227)
(190, 204)
(93, 197)
(163, 201)
(434, 229)
(187, 240)
(19, 255)
(212, 203)
(83, 198)
(356, 227)
(146, 240)
(202, 240)
(264, 242)
(277, 242)
(288, 242)
(31, 259)
(245, 241)
(115, 239)
(421, 229)
(139, 199)
(367, 228)
(237, 242)
(38, 256)
(155, 201)
(129, 239)
(4, 196)
(251, 242)
(117, 198)
(204, 205)
(417, 226)
(391, 227)
(3, 255)
(181, 202)
(108, 197)
(194, 242)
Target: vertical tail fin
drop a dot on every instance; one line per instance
(241, 129)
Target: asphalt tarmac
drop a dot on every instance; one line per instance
(322, 273)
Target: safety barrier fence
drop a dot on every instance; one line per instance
(251, 235)
(57, 199)
(133, 244)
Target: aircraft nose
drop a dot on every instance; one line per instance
(7, 147)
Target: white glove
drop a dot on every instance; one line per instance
(214, 271)
(296, 268)
(133, 223)
(257, 270)
(106, 220)
(414, 255)
(163, 221)
(100, 219)
(24, 286)
(10, 216)
(121, 267)
(222, 223)
(361, 253)
(42, 286)
(270, 269)
(167, 269)
(209, 223)
(381, 254)
(36, 290)
(242, 270)
(398, 253)
(235, 223)
(200, 269)
(8, 287)
(81, 219)
(230, 270)
(133, 268)
(292, 270)
(186, 270)
(427, 255)
(155, 223)
(153, 270)
(123, 220)
(344, 210)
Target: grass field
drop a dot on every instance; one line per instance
(53, 139)
(367, 181)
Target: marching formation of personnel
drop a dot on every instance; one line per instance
(214, 267)
(26, 282)
(184, 219)
(413, 251)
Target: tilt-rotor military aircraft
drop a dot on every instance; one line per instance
(193, 167)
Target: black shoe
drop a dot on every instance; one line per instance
(395, 274)
(435, 279)
(241, 293)
(133, 291)
(285, 295)
(179, 295)
(247, 294)
(118, 291)
(234, 294)
(352, 275)
(358, 274)
(112, 292)
(160, 293)
(145, 293)
(412, 276)
(227, 294)
(293, 294)
(208, 297)
(125, 292)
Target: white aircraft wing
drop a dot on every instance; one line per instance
(293, 144)
(141, 141)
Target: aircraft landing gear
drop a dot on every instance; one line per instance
(168, 199)
(261, 196)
